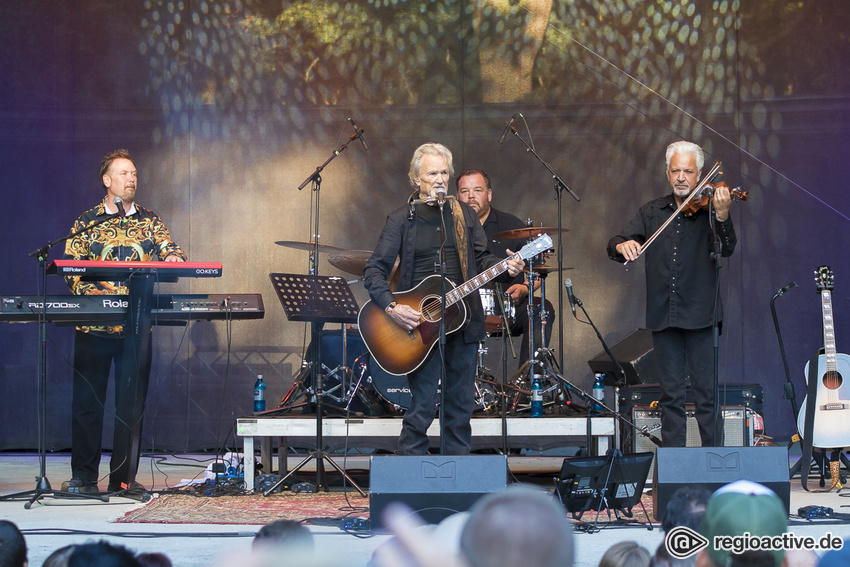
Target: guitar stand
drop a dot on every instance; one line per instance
(317, 300)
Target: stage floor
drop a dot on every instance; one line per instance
(48, 525)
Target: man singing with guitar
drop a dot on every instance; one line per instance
(401, 328)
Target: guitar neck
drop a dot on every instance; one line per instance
(828, 330)
(483, 278)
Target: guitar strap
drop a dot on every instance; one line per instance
(809, 422)
(460, 238)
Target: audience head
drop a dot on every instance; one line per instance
(102, 554)
(662, 558)
(13, 548)
(59, 558)
(625, 554)
(284, 533)
(501, 525)
(737, 508)
(686, 508)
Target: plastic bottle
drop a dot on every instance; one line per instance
(259, 394)
(536, 397)
(599, 391)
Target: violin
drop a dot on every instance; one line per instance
(704, 195)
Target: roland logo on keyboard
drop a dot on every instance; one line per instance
(115, 303)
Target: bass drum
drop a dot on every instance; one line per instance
(396, 391)
(393, 389)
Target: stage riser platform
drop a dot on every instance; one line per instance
(382, 433)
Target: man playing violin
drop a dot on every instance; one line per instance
(680, 288)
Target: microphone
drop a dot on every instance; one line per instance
(508, 125)
(360, 132)
(441, 194)
(118, 202)
(782, 291)
(568, 284)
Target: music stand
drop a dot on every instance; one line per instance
(317, 300)
(614, 482)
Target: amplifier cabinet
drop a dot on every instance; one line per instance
(738, 428)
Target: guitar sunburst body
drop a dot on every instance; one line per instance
(397, 350)
(832, 401)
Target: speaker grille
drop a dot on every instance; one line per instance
(737, 428)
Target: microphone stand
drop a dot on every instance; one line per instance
(441, 260)
(42, 484)
(316, 337)
(560, 187)
(591, 400)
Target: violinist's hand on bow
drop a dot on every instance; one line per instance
(722, 201)
(515, 266)
(630, 249)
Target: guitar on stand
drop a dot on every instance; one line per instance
(825, 411)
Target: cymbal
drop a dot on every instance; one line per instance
(351, 261)
(528, 232)
(307, 245)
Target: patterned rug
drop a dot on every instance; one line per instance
(248, 509)
(260, 510)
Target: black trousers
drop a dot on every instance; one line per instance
(459, 399)
(93, 357)
(678, 351)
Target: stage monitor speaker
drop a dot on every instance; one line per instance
(634, 354)
(738, 429)
(435, 486)
(712, 467)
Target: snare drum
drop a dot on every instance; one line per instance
(492, 311)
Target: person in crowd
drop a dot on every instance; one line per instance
(686, 508)
(13, 547)
(154, 560)
(284, 533)
(475, 189)
(102, 554)
(681, 287)
(742, 507)
(130, 232)
(625, 554)
(415, 232)
(519, 526)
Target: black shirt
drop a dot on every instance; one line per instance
(680, 273)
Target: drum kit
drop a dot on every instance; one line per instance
(364, 387)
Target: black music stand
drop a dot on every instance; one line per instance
(317, 300)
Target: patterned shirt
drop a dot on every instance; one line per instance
(141, 237)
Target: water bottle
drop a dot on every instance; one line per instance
(536, 397)
(599, 391)
(259, 394)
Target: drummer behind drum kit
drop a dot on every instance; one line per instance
(358, 384)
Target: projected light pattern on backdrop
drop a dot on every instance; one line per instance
(242, 68)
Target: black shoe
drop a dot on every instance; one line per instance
(134, 486)
(77, 486)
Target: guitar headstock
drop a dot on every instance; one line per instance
(824, 279)
(537, 246)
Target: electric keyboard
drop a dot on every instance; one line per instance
(114, 270)
(113, 308)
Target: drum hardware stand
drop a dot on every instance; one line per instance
(540, 358)
(560, 187)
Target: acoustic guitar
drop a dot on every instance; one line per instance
(832, 410)
(399, 351)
